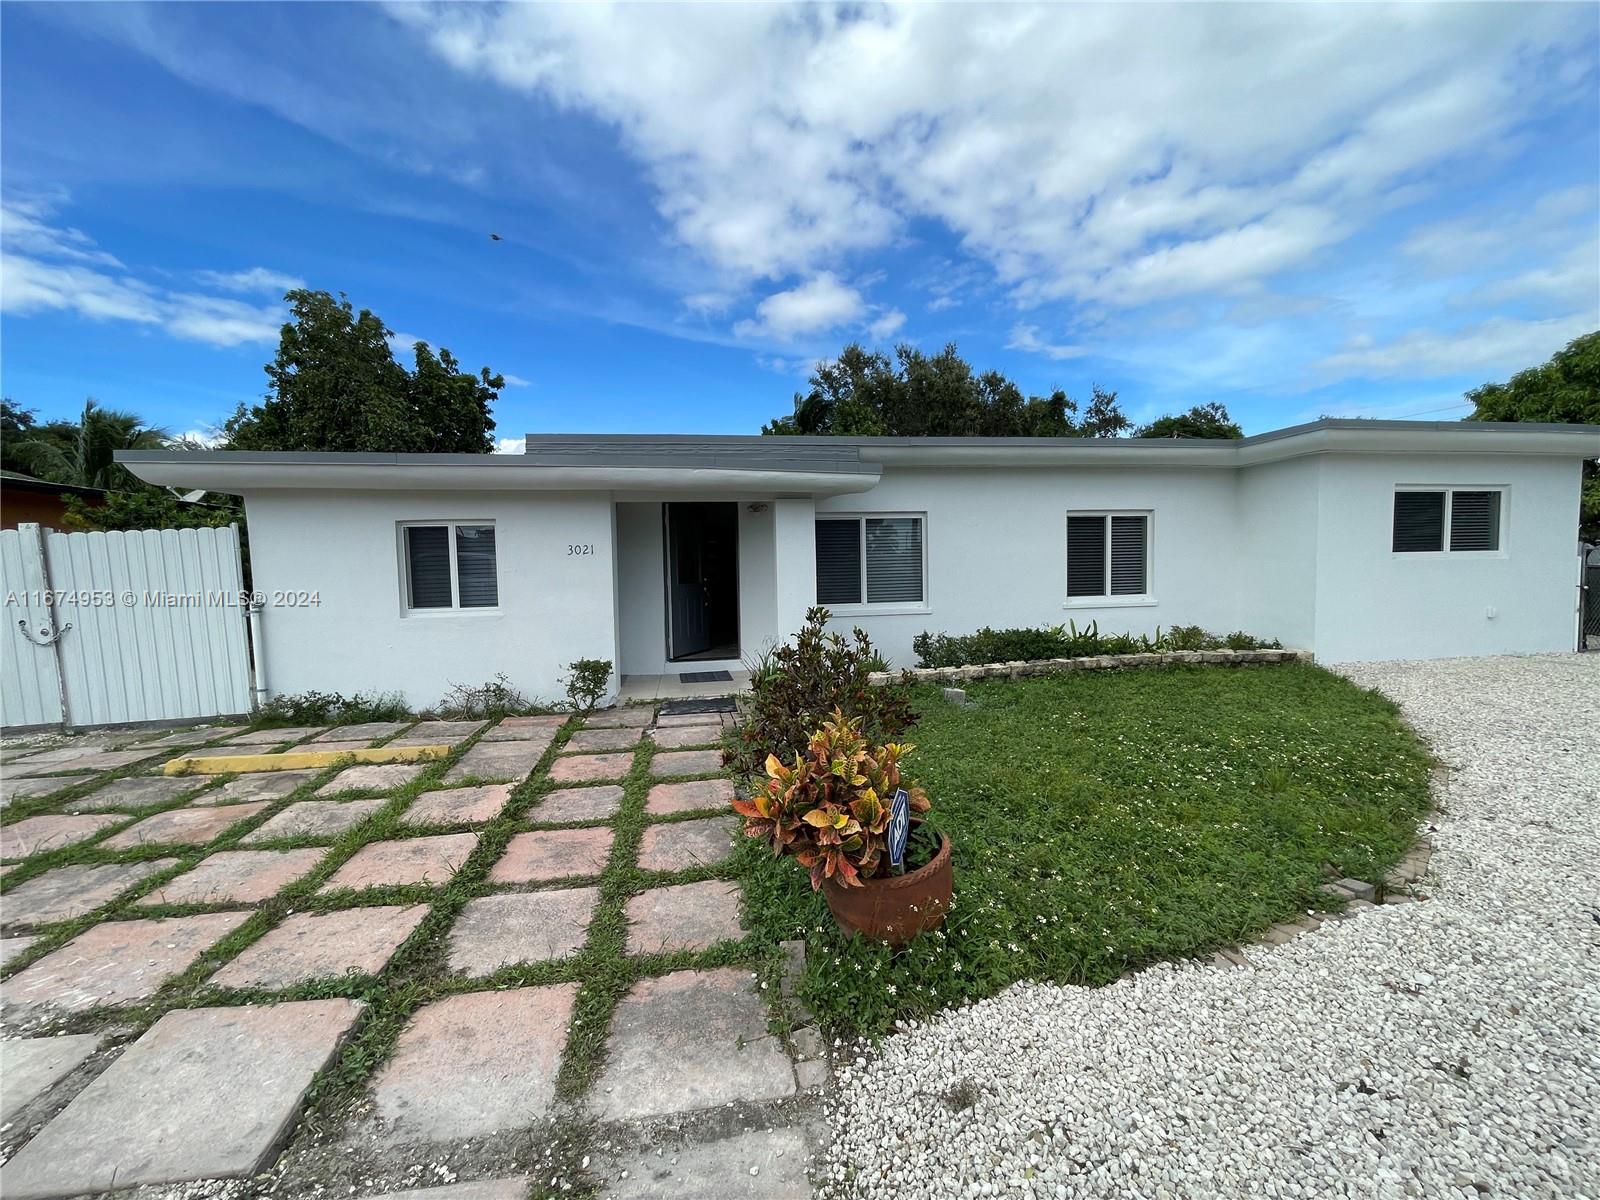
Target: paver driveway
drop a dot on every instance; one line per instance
(489, 963)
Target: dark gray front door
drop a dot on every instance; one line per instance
(702, 580)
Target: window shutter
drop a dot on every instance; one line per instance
(1418, 522)
(1086, 556)
(839, 562)
(1128, 555)
(1474, 520)
(475, 566)
(894, 560)
(428, 560)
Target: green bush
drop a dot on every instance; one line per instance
(330, 708)
(793, 688)
(484, 701)
(1067, 641)
(586, 682)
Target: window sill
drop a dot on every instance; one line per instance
(434, 614)
(1431, 555)
(877, 610)
(1111, 602)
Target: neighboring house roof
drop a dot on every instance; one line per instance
(821, 465)
(32, 483)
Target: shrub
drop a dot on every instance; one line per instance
(586, 682)
(484, 701)
(831, 809)
(1067, 641)
(330, 708)
(797, 685)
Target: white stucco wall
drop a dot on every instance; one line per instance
(1275, 516)
(996, 549)
(554, 607)
(1375, 604)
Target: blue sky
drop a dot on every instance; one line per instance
(1292, 209)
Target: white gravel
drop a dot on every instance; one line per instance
(1441, 1049)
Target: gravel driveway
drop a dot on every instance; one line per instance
(1448, 1048)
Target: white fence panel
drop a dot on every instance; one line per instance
(157, 628)
(30, 685)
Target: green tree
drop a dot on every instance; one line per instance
(335, 385)
(80, 454)
(1202, 421)
(152, 508)
(865, 393)
(1563, 391)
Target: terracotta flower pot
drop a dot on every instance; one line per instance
(896, 908)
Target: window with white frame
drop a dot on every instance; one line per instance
(870, 560)
(1446, 520)
(1108, 555)
(449, 564)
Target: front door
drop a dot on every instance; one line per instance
(702, 580)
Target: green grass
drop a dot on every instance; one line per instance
(1104, 821)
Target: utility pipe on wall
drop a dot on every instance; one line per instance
(259, 693)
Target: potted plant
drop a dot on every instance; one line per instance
(831, 810)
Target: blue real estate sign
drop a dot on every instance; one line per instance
(899, 827)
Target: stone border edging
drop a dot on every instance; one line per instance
(1099, 662)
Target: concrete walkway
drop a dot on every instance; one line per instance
(521, 967)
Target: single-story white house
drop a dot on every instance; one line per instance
(1354, 539)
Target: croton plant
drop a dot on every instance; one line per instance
(831, 808)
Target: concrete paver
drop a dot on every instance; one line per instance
(475, 1064)
(137, 791)
(599, 803)
(520, 927)
(590, 768)
(684, 844)
(587, 741)
(276, 737)
(323, 945)
(690, 916)
(686, 762)
(637, 716)
(687, 1041)
(458, 806)
(79, 764)
(237, 877)
(673, 737)
(256, 785)
(506, 762)
(34, 835)
(21, 787)
(763, 1164)
(692, 794)
(12, 946)
(184, 826)
(517, 729)
(374, 777)
(551, 854)
(412, 860)
(69, 892)
(324, 819)
(367, 731)
(31, 1066)
(206, 1093)
(117, 962)
(438, 733)
(479, 1189)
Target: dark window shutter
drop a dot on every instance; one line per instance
(839, 562)
(1086, 556)
(475, 567)
(1474, 520)
(1418, 522)
(1128, 555)
(894, 560)
(428, 562)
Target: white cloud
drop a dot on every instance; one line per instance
(256, 279)
(404, 345)
(1028, 338)
(515, 380)
(510, 445)
(816, 306)
(46, 267)
(886, 325)
(1087, 153)
(1496, 346)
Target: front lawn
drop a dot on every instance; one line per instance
(1105, 820)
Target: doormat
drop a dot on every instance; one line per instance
(684, 708)
(705, 677)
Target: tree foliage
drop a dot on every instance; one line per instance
(77, 453)
(335, 385)
(1563, 391)
(866, 393)
(1202, 421)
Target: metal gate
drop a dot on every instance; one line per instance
(1589, 599)
(108, 628)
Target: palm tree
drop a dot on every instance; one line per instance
(81, 455)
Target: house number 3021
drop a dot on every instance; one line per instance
(580, 548)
